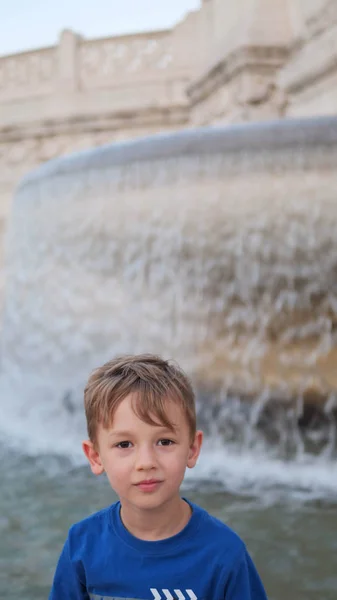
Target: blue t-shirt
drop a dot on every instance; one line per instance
(102, 560)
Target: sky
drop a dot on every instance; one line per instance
(27, 24)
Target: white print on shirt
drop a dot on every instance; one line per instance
(178, 595)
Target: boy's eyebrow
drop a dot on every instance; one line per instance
(120, 433)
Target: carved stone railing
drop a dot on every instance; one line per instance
(26, 74)
(77, 64)
(106, 62)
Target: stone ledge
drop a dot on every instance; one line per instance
(312, 62)
(158, 117)
(323, 19)
(267, 58)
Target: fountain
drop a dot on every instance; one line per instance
(214, 246)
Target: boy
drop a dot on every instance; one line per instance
(152, 544)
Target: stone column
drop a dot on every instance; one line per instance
(67, 58)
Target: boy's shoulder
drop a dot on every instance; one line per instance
(94, 524)
(216, 534)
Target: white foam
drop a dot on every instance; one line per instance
(255, 473)
(238, 470)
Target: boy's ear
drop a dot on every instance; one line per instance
(93, 457)
(195, 450)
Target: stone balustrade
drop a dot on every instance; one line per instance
(88, 64)
(28, 74)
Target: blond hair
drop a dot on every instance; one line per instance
(154, 381)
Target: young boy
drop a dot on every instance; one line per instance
(152, 544)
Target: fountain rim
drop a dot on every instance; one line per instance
(261, 136)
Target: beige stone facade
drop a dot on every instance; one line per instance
(225, 63)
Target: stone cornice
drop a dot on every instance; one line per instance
(153, 116)
(249, 57)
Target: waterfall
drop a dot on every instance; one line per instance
(214, 247)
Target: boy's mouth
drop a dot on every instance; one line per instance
(149, 485)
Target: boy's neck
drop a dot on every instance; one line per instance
(156, 524)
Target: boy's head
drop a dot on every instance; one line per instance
(151, 380)
(142, 428)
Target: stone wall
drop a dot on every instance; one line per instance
(310, 76)
(227, 62)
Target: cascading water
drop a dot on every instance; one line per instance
(215, 247)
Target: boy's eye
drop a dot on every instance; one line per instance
(165, 442)
(124, 445)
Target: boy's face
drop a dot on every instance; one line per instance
(145, 464)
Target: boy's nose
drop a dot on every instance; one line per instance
(145, 459)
